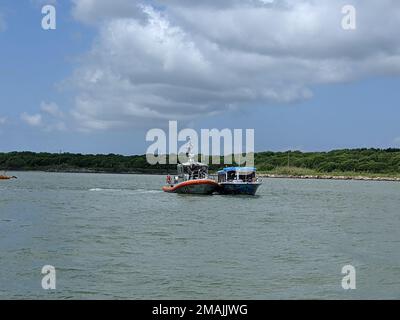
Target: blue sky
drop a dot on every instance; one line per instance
(94, 85)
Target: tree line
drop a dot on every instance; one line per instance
(346, 160)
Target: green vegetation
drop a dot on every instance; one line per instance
(367, 162)
(68, 162)
(293, 171)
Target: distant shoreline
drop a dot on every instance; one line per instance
(89, 171)
(329, 177)
(346, 164)
(321, 176)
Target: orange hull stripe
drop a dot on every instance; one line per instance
(190, 183)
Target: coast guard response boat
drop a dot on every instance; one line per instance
(192, 178)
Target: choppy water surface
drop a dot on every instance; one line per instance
(119, 236)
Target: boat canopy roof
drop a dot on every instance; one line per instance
(238, 169)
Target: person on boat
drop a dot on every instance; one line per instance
(169, 179)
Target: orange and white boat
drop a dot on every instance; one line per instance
(198, 186)
(5, 177)
(192, 178)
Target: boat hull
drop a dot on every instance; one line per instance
(239, 188)
(7, 178)
(201, 186)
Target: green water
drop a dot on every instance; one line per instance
(119, 236)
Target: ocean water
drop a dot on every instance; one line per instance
(120, 237)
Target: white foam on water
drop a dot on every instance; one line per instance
(124, 190)
(108, 190)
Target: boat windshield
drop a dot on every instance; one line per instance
(236, 174)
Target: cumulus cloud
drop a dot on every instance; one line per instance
(34, 120)
(186, 59)
(50, 117)
(51, 108)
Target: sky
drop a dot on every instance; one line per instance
(112, 70)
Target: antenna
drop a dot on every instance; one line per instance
(189, 153)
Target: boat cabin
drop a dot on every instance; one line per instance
(192, 171)
(237, 174)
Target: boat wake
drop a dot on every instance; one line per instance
(131, 191)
